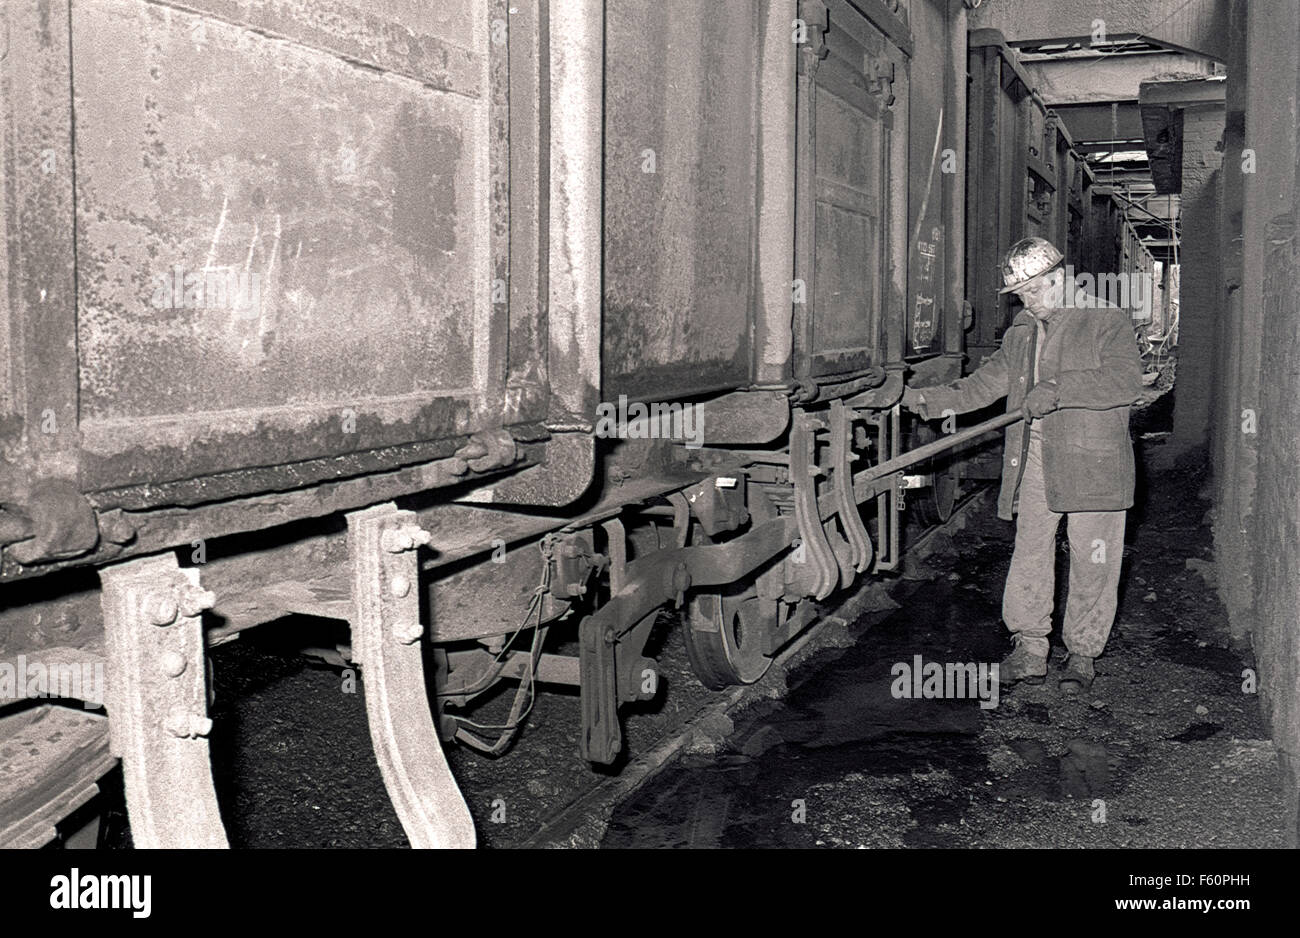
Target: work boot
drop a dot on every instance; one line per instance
(1077, 676)
(1022, 665)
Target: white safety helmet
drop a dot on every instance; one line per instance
(1026, 260)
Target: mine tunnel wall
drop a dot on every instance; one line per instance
(1252, 384)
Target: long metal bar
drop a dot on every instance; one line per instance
(911, 457)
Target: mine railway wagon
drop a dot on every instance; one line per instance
(1028, 179)
(314, 311)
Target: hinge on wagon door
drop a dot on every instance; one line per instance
(880, 78)
(810, 34)
(51, 521)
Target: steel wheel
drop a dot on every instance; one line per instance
(935, 503)
(726, 639)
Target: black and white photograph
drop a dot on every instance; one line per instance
(648, 425)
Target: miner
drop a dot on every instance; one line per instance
(1069, 363)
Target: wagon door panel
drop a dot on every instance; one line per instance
(284, 245)
(680, 193)
(851, 200)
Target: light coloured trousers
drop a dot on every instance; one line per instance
(1096, 553)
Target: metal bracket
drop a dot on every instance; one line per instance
(602, 737)
(54, 521)
(157, 701)
(814, 48)
(616, 538)
(386, 634)
(880, 78)
(818, 575)
(572, 560)
(846, 506)
(718, 503)
(889, 502)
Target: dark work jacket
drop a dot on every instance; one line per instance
(1092, 356)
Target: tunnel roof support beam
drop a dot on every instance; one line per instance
(1199, 26)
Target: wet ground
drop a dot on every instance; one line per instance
(1167, 750)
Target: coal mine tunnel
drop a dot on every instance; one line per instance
(622, 424)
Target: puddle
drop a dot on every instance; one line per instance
(841, 724)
